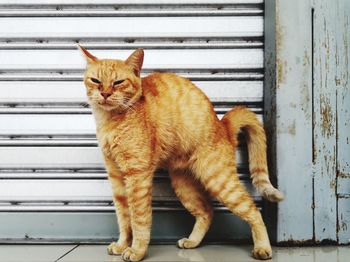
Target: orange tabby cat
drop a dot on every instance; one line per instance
(163, 120)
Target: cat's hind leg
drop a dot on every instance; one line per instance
(216, 169)
(194, 198)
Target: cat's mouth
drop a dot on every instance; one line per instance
(106, 105)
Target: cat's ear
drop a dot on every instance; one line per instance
(88, 56)
(135, 60)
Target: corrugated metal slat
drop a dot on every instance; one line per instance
(49, 159)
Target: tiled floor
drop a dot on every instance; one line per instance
(168, 253)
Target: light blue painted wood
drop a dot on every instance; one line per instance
(344, 220)
(343, 120)
(343, 179)
(325, 120)
(288, 113)
(309, 121)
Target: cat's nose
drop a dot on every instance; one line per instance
(105, 95)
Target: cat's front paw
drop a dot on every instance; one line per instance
(116, 249)
(186, 243)
(131, 254)
(262, 253)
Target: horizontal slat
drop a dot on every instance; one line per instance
(27, 110)
(71, 44)
(32, 124)
(59, 140)
(162, 59)
(87, 208)
(15, 174)
(74, 92)
(127, 43)
(79, 192)
(47, 124)
(128, 2)
(67, 190)
(130, 13)
(48, 142)
(131, 10)
(43, 27)
(61, 157)
(197, 74)
(54, 174)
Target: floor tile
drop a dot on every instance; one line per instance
(213, 253)
(163, 253)
(33, 253)
(311, 254)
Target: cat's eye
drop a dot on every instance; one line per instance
(96, 81)
(118, 82)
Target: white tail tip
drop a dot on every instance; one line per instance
(272, 194)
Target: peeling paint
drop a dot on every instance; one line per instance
(345, 75)
(280, 63)
(306, 59)
(327, 121)
(333, 184)
(292, 128)
(344, 226)
(288, 129)
(343, 175)
(281, 71)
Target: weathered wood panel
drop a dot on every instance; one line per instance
(343, 120)
(344, 220)
(324, 130)
(318, 111)
(288, 115)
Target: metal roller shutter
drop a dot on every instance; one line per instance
(53, 183)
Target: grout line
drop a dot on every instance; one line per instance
(66, 253)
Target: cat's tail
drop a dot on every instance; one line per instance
(240, 117)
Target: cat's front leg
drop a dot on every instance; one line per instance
(121, 208)
(139, 193)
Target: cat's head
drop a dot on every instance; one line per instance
(113, 84)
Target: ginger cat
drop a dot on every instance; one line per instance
(164, 120)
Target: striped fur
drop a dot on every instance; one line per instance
(241, 117)
(164, 120)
